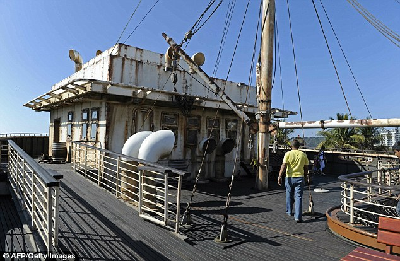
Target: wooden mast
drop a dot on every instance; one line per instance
(264, 87)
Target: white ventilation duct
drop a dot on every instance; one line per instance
(157, 145)
(76, 58)
(132, 145)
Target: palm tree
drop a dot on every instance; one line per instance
(340, 138)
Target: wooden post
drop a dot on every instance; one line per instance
(264, 86)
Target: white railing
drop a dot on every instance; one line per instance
(37, 192)
(368, 195)
(154, 189)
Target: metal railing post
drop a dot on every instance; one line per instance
(345, 206)
(24, 183)
(56, 214)
(117, 175)
(49, 206)
(85, 161)
(178, 204)
(140, 203)
(369, 189)
(33, 200)
(166, 198)
(351, 204)
(74, 154)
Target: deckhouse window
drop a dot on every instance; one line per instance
(169, 121)
(213, 128)
(193, 126)
(85, 123)
(94, 123)
(231, 128)
(70, 122)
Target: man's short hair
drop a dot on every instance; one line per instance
(396, 146)
(295, 144)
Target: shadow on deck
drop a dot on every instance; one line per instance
(94, 225)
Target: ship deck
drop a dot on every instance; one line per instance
(95, 225)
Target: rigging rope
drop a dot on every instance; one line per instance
(279, 61)
(330, 53)
(144, 17)
(295, 67)
(345, 58)
(228, 19)
(254, 52)
(377, 24)
(127, 23)
(194, 30)
(237, 40)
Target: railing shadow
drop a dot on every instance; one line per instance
(12, 235)
(89, 235)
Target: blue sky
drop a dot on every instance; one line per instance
(36, 36)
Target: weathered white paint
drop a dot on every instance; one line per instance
(125, 71)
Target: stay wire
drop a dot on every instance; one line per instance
(208, 18)
(279, 61)
(127, 23)
(237, 40)
(295, 68)
(378, 25)
(345, 58)
(228, 19)
(144, 17)
(333, 61)
(254, 52)
(377, 21)
(196, 27)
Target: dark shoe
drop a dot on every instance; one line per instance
(299, 221)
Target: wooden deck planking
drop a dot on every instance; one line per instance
(96, 225)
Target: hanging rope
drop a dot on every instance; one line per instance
(345, 58)
(330, 53)
(295, 67)
(228, 19)
(144, 17)
(377, 24)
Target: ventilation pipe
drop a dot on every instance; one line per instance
(207, 147)
(157, 145)
(224, 147)
(76, 58)
(132, 145)
(129, 179)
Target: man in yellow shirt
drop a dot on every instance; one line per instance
(295, 163)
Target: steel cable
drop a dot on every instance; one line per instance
(345, 58)
(144, 17)
(228, 19)
(333, 61)
(295, 67)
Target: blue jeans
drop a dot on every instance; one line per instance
(294, 193)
